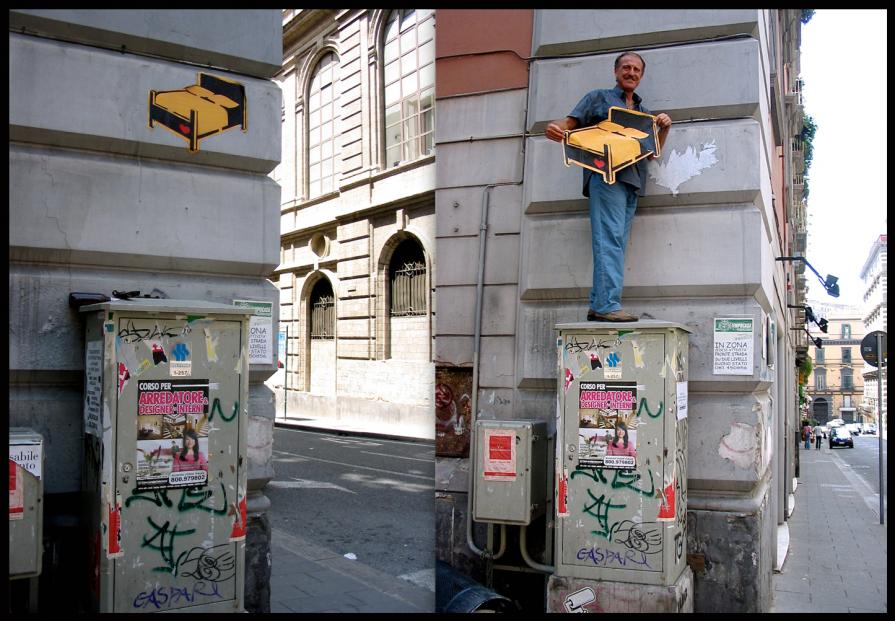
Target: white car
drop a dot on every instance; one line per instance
(853, 428)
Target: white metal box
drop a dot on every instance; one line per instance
(165, 465)
(26, 461)
(621, 451)
(511, 471)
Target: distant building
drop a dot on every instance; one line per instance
(836, 384)
(875, 318)
(357, 226)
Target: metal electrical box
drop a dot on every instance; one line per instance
(26, 466)
(511, 471)
(165, 397)
(621, 451)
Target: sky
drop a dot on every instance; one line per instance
(843, 67)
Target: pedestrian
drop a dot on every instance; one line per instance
(818, 436)
(611, 206)
(806, 435)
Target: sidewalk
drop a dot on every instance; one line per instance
(306, 577)
(838, 549)
(392, 432)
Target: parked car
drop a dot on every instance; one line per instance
(870, 428)
(825, 430)
(840, 436)
(853, 428)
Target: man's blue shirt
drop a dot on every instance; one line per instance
(593, 108)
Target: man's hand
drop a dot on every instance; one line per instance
(663, 121)
(555, 129)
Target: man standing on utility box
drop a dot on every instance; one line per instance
(612, 206)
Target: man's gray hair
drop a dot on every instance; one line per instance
(618, 59)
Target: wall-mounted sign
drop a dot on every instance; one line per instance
(260, 331)
(211, 106)
(734, 346)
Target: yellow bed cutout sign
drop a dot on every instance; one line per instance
(211, 106)
(625, 138)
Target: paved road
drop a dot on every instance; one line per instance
(367, 497)
(864, 458)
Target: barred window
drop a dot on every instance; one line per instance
(323, 310)
(409, 83)
(323, 121)
(407, 276)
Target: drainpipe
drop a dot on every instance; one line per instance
(523, 548)
(480, 283)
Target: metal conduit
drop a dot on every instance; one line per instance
(479, 287)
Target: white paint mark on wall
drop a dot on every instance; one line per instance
(740, 445)
(679, 168)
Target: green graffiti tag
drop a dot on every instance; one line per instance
(620, 479)
(599, 509)
(190, 498)
(627, 479)
(198, 497)
(216, 408)
(165, 546)
(645, 406)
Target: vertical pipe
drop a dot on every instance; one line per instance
(480, 283)
(879, 426)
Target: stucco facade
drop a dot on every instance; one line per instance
(101, 201)
(836, 385)
(875, 317)
(375, 369)
(720, 206)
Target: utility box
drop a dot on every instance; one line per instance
(26, 467)
(621, 452)
(511, 471)
(165, 465)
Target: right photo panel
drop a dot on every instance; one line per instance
(618, 205)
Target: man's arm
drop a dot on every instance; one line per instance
(556, 128)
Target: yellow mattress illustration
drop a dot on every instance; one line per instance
(197, 111)
(623, 139)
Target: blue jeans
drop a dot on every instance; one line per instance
(611, 213)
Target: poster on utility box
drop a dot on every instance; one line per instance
(607, 436)
(172, 433)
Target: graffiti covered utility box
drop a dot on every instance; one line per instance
(511, 471)
(26, 460)
(165, 395)
(621, 451)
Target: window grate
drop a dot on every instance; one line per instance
(409, 290)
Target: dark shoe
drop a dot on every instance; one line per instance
(616, 315)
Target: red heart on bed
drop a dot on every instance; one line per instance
(184, 129)
(599, 163)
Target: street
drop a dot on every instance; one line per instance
(863, 461)
(368, 498)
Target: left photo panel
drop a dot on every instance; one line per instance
(222, 310)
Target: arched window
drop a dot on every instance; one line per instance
(323, 310)
(407, 278)
(323, 120)
(409, 84)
